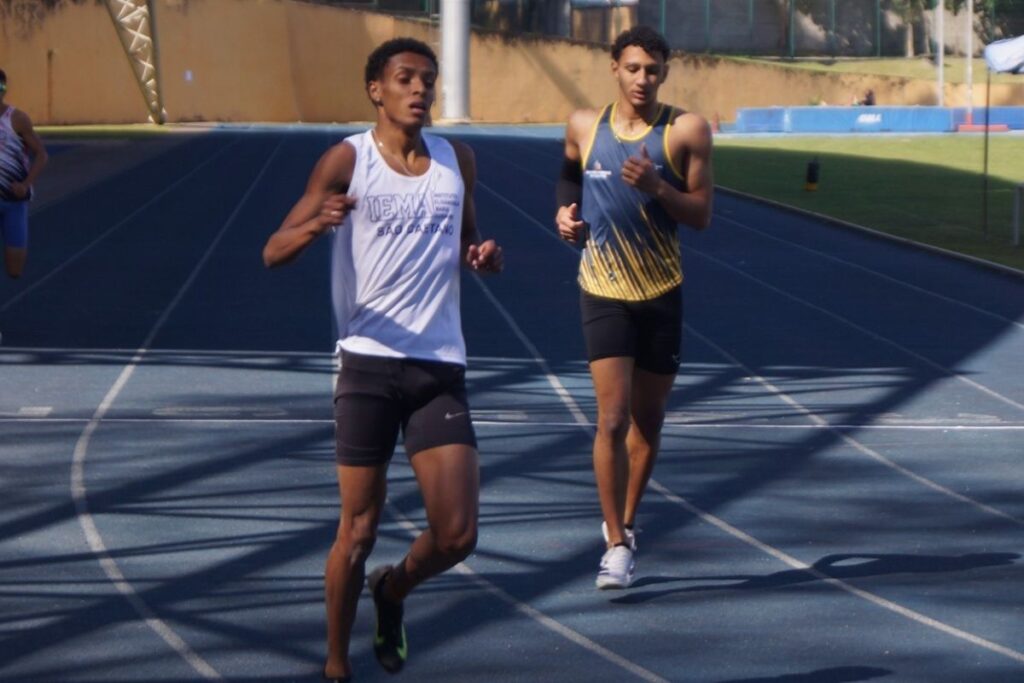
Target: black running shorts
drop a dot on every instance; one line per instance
(651, 332)
(376, 396)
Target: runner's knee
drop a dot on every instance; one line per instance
(613, 424)
(457, 543)
(649, 424)
(356, 539)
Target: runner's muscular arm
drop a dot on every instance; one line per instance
(689, 145)
(484, 256)
(323, 206)
(570, 184)
(22, 125)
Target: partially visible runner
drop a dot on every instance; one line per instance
(401, 204)
(633, 171)
(22, 158)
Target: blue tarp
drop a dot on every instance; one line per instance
(826, 119)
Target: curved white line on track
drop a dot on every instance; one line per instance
(79, 492)
(721, 524)
(538, 616)
(109, 231)
(782, 395)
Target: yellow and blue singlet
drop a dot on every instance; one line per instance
(632, 247)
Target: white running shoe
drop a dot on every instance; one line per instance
(630, 536)
(617, 568)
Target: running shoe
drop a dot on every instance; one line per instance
(617, 568)
(630, 536)
(389, 642)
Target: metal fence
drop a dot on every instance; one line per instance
(782, 28)
(840, 28)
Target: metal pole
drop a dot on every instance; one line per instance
(878, 28)
(940, 50)
(1017, 214)
(990, 20)
(832, 27)
(984, 184)
(662, 19)
(970, 61)
(455, 60)
(792, 26)
(707, 24)
(161, 115)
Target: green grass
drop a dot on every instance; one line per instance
(924, 188)
(105, 131)
(955, 68)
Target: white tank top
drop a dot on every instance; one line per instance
(13, 158)
(395, 266)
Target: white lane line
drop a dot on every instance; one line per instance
(721, 524)
(79, 492)
(538, 616)
(35, 411)
(875, 273)
(839, 583)
(527, 424)
(106, 233)
(947, 371)
(850, 441)
(976, 385)
(782, 395)
(216, 353)
(863, 330)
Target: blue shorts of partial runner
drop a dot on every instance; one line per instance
(14, 224)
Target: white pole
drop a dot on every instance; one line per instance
(970, 61)
(1017, 214)
(940, 49)
(455, 60)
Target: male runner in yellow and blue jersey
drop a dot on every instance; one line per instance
(633, 172)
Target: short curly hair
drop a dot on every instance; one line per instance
(378, 59)
(652, 42)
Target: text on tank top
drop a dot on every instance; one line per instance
(631, 251)
(395, 264)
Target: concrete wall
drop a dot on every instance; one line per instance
(242, 60)
(66, 65)
(279, 60)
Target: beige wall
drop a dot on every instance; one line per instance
(252, 60)
(67, 66)
(279, 60)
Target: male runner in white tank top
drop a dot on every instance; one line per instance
(400, 203)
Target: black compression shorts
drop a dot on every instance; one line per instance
(651, 332)
(375, 397)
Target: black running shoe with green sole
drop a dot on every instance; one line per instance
(389, 642)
